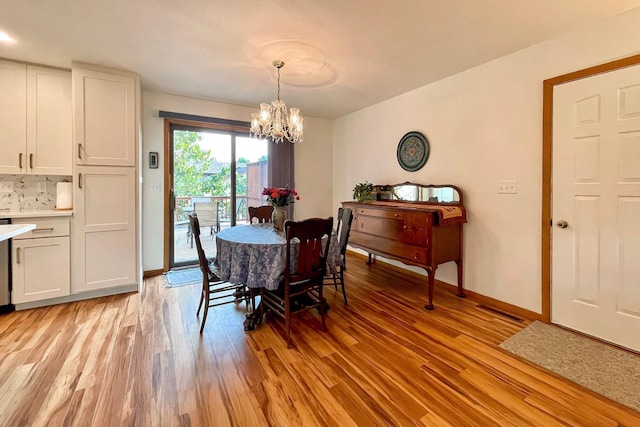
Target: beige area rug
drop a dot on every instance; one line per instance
(183, 277)
(612, 372)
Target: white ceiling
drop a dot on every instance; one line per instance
(340, 55)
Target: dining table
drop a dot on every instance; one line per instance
(254, 255)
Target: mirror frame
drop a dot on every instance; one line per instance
(380, 191)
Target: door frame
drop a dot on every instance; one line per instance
(547, 164)
(170, 119)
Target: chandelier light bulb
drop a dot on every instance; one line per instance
(265, 114)
(275, 121)
(294, 115)
(254, 120)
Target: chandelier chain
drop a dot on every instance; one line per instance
(278, 83)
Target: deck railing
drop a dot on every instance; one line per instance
(184, 205)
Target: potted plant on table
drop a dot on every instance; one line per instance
(362, 191)
(279, 198)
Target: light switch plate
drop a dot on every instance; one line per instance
(153, 186)
(507, 187)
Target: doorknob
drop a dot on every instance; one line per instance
(562, 224)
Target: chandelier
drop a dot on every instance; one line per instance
(274, 121)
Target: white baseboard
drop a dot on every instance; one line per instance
(79, 297)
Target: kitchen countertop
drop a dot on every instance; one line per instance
(11, 230)
(35, 214)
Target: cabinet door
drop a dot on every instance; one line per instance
(49, 139)
(105, 118)
(417, 228)
(13, 116)
(40, 269)
(104, 228)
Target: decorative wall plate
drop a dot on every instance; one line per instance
(413, 151)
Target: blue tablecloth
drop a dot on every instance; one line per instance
(254, 255)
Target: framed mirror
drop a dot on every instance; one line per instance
(420, 193)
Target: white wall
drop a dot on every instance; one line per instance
(312, 158)
(484, 125)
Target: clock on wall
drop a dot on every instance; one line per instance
(413, 151)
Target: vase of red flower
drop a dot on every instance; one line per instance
(279, 198)
(278, 217)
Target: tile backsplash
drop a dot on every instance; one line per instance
(29, 192)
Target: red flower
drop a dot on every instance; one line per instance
(280, 196)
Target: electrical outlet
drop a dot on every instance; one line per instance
(6, 187)
(507, 187)
(42, 187)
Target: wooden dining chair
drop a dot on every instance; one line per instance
(215, 291)
(345, 218)
(261, 213)
(305, 268)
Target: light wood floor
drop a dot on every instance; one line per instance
(138, 360)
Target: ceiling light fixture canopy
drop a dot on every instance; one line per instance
(275, 121)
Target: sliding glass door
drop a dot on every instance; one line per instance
(216, 174)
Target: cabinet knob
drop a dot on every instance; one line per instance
(395, 214)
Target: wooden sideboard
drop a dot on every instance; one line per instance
(421, 233)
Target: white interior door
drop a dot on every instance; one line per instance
(596, 191)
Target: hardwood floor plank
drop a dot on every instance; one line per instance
(113, 387)
(139, 359)
(12, 390)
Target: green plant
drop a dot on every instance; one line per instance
(362, 190)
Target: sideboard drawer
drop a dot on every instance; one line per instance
(379, 227)
(380, 213)
(414, 253)
(411, 253)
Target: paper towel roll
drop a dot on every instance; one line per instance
(63, 195)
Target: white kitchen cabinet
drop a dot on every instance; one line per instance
(13, 117)
(41, 261)
(105, 116)
(49, 121)
(106, 130)
(35, 118)
(104, 228)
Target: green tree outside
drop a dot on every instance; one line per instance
(190, 163)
